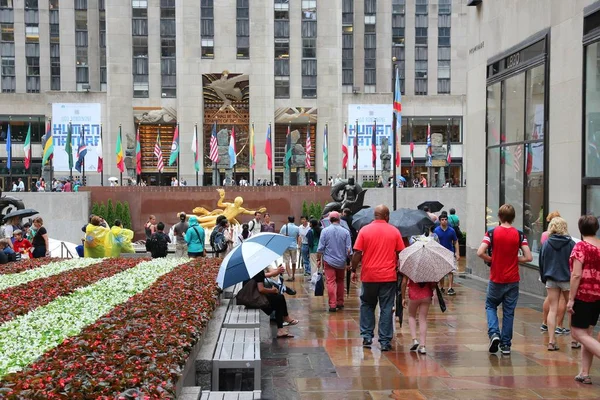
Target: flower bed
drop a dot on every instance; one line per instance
(24, 265)
(141, 344)
(19, 300)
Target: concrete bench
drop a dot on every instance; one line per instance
(232, 291)
(242, 317)
(231, 395)
(237, 349)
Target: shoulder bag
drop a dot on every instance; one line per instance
(250, 297)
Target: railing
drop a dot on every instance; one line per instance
(63, 249)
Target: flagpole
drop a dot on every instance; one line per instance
(252, 133)
(102, 170)
(356, 149)
(120, 173)
(9, 157)
(308, 172)
(394, 137)
(30, 152)
(217, 175)
(159, 171)
(83, 159)
(272, 146)
(327, 147)
(375, 147)
(346, 130)
(197, 155)
(234, 148)
(71, 155)
(178, 155)
(138, 177)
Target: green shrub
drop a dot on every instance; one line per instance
(110, 213)
(102, 211)
(126, 216)
(119, 211)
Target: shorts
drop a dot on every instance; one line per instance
(585, 314)
(563, 286)
(192, 254)
(290, 256)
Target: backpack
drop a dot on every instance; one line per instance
(158, 245)
(218, 241)
(491, 236)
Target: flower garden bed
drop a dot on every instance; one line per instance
(137, 344)
(24, 265)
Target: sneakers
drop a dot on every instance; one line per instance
(340, 307)
(558, 331)
(566, 331)
(505, 350)
(494, 343)
(422, 350)
(451, 292)
(367, 342)
(332, 309)
(415, 345)
(442, 290)
(386, 347)
(544, 328)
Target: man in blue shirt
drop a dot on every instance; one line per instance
(447, 238)
(335, 246)
(291, 254)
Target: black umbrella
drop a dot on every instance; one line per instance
(363, 217)
(410, 222)
(27, 212)
(399, 308)
(434, 206)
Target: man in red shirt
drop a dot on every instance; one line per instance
(503, 287)
(377, 247)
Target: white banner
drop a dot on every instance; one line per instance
(85, 119)
(367, 115)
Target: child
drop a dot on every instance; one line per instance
(6, 249)
(20, 245)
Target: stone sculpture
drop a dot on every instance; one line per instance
(346, 194)
(385, 159)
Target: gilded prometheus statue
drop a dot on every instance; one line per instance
(208, 219)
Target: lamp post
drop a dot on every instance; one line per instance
(394, 133)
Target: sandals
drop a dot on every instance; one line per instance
(285, 336)
(291, 323)
(584, 379)
(552, 347)
(575, 345)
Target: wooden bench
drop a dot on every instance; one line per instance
(242, 317)
(231, 395)
(237, 349)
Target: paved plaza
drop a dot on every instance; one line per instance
(326, 359)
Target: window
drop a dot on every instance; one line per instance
(445, 7)
(53, 4)
(6, 16)
(54, 73)
(207, 28)
(370, 43)
(31, 4)
(243, 29)
(168, 64)
(82, 74)
(309, 48)
(282, 49)
(54, 45)
(102, 44)
(31, 17)
(282, 87)
(8, 75)
(32, 33)
(421, 6)
(398, 37)
(6, 3)
(81, 44)
(348, 42)
(81, 4)
(370, 6)
(8, 32)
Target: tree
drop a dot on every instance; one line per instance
(305, 208)
(110, 213)
(119, 211)
(126, 216)
(95, 209)
(102, 211)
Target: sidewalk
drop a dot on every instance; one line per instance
(326, 359)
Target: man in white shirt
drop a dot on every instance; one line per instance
(21, 186)
(303, 242)
(255, 225)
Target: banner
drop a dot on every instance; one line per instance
(83, 116)
(366, 114)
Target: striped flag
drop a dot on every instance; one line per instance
(308, 148)
(27, 147)
(160, 163)
(174, 147)
(119, 151)
(69, 145)
(214, 145)
(356, 149)
(398, 112)
(48, 145)
(448, 145)
(345, 147)
(8, 148)
(138, 152)
(252, 148)
(374, 144)
(195, 149)
(287, 161)
(81, 151)
(429, 148)
(99, 151)
(232, 149)
(269, 150)
(412, 154)
(326, 150)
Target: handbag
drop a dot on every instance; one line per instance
(319, 286)
(250, 297)
(440, 298)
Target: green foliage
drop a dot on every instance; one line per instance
(305, 208)
(369, 184)
(95, 209)
(102, 211)
(314, 210)
(110, 213)
(126, 216)
(119, 211)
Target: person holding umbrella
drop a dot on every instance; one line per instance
(420, 296)
(447, 237)
(377, 247)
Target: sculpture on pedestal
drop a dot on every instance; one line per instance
(208, 219)
(346, 194)
(385, 160)
(298, 159)
(224, 160)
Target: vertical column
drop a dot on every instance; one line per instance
(384, 46)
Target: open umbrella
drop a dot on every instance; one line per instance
(27, 212)
(403, 179)
(251, 257)
(426, 261)
(434, 206)
(410, 222)
(363, 217)
(113, 179)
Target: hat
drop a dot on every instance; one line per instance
(334, 214)
(17, 232)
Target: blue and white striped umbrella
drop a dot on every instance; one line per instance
(251, 257)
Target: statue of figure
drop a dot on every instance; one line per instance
(9, 204)
(164, 115)
(225, 89)
(438, 152)
(223, 143)
(298, 152)
(385, 155)
(208, 219)
(346, 194)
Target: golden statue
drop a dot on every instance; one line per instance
(208, 219)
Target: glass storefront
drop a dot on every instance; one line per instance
(516, 134)
(414, 129)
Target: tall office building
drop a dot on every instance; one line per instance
(103, 68)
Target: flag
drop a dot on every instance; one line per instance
(529, 159)
(449, 146)
(69, 146)
(356, 148)
(269, 150)
(138, 152)
(325, 151)
(47, 145)
(119, 152)
(81, 150)
(195, 149)
(27, 147)
(345, 147)
(429, 149)
(412, 154)
(308, 148)
(374, 144)
(287, 161)
(214, 145)
(398, 112)
(252, 148)
(160, 163)
(99, 150)
(232, 149)
(8, 149)
(174, 146)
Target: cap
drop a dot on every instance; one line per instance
(17, 232)
(334, 214)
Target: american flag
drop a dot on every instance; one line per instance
(345, 148)
(160, 164)
(517, 158)
(214, 146)
(308, 148)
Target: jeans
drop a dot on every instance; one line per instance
(370, 294)
(335, 285)
(306, 258)
(506, 294)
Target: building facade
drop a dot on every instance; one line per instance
(147, 69)
(532, 88)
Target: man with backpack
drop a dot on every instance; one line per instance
(159, 242)
(503, 287)
(219, 242)
(255, 225)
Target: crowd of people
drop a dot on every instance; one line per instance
(19, 239)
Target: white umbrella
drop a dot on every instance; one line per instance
(113, 179)
(426, 261)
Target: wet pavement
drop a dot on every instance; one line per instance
(326, 360)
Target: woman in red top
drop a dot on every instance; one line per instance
(420, 296)
(584, 297)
